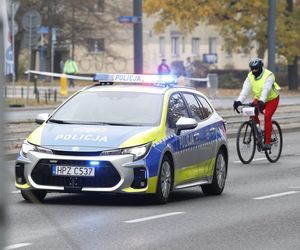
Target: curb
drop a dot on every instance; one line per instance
(12, 155)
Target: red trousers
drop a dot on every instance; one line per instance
(270, 108)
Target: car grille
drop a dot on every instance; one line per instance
(105, 175)
(58, 152)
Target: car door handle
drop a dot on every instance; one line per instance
(196, 136)
(212, 130)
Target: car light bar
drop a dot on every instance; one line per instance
(136, 78)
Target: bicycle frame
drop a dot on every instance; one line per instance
(259, 137)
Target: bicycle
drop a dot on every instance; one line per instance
(250, 136)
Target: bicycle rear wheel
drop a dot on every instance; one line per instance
(246, 142)
(276, 143)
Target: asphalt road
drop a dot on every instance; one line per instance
(259, 209)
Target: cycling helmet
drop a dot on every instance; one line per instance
(256, 66)
(256, 63)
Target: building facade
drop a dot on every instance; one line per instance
(109, 48)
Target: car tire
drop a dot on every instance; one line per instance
(34, 196)
(164, 182)
(219, 177)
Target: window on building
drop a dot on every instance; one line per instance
(95, 45)
(99, 6)
(162, 46)
(212, 45)
(228, 53)
(244, 52)
(195, 46)
(175, 46)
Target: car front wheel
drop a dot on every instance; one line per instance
(165, 180)
(219, 177)
(34, 196)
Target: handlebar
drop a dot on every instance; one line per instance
(250, 104)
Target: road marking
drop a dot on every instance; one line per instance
(275, 195)
(295, 187)
(256, 159)
(17, 246)
(153, 217)
(15, 192)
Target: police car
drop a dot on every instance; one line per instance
(152, 138)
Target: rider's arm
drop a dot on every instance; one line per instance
(245, 90)
(267, 87)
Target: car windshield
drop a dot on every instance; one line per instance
(111, 108)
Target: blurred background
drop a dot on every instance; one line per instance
(218, 37)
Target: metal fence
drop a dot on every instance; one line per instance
(211, 81)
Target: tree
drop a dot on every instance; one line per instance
(76, 21)
(289, 40)
(239, 22)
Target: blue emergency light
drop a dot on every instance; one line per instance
(94, 163)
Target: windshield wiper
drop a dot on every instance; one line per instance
(111, 124)
(59, 121)
(93, 123)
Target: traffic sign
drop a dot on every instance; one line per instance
(129, 19)
(42, 30)
(31, 20)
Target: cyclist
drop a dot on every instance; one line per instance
(266, 95)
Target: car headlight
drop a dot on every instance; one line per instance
(138, 152)
(26, 147)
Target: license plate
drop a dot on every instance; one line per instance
(73, 171)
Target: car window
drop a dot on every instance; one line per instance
(176, 109)
(206, 108)
(112, 107)
(195, 107)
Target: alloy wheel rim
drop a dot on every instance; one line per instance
(221, 170)
(166, 179)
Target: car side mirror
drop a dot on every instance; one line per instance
(185, 123)
(40, 118)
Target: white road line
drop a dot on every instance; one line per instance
(275, 195)
(153, 217)
(256, 159)
(15, 192)
(17, 246)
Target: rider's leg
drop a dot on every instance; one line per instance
(270, 109)
(256, 117)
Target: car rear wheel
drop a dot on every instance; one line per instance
(164, 182)
(34, 196)
(219, 177)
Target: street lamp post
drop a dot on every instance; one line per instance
(2, 175)
(138, 37)
(271, 35)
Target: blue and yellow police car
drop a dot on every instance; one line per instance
(152, 138)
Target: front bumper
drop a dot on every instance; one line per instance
(116, 173)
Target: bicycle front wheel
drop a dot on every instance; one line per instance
(245, 142)
(276, 143)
